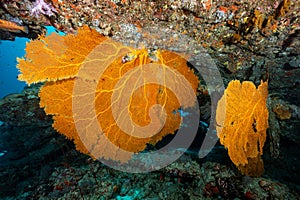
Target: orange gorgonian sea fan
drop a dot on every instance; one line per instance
(56, 61)
(242, 121)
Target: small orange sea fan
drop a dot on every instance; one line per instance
(242, 121)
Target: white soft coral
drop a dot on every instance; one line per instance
(41, 7)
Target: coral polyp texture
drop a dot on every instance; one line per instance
(57, 60)
(242, 121)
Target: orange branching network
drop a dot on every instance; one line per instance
(56, 60)
(242, 121)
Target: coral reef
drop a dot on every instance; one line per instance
(28, 143)
(21, 110)
(39, 163)
(209, 181)
(248, 40)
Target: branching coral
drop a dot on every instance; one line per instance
(242, 121)
(56, 60)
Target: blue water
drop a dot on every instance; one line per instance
(9, 51)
